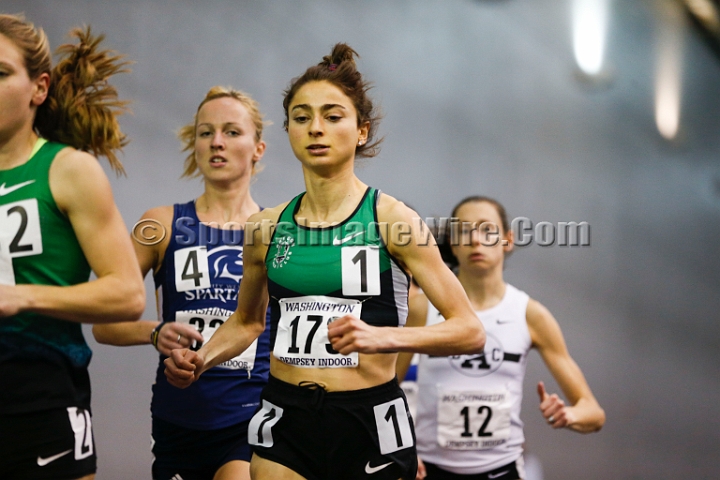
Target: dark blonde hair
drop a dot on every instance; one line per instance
(188, 132)
(81, 107)
(339, 69)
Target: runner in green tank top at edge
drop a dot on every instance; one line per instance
(58, 221)
(330, 120)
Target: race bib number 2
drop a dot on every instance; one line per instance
(19, 235)
(7, 274)
(302, 333)
(207, 325)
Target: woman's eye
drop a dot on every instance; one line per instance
(204, 134)
(233, 133)
(334, 118)
(300, 119)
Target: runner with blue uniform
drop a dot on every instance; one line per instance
(196, 252)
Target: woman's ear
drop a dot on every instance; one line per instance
(41, 88)
(510, 237)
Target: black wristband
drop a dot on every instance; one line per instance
(156, 333)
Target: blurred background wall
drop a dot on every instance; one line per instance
(600, 111)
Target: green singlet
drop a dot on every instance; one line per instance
(318, 274)
(38, 246)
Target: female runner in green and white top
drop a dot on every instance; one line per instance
(336, 275)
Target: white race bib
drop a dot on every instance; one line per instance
(302, 333)
(472, 420)
(7, 274)
(207, 325)
(20, 235)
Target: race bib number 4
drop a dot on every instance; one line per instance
(302, 333)
(472, 420)
(207, 325)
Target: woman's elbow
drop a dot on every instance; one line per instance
(479, 340)
(133, 302)
(600, 421)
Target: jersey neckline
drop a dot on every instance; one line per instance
(339, 224)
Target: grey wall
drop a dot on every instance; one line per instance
(479, 97)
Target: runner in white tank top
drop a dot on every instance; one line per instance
(468, 414)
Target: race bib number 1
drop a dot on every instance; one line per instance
(207, 325)
(302, 333)
(472, 420)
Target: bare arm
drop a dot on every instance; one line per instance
(157, 224)
(584, 414)
(82, 192)
(417, 317)
(460, 333)
(247, 322)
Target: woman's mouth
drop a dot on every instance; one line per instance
(318, 149)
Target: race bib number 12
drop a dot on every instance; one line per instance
(472, 420)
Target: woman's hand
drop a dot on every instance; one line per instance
(349, 334)
(553, 408)
(183, 367)
(175, 335)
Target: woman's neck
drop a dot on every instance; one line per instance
(16, 150)
(330, 198)
(223, 205)
(485, 290)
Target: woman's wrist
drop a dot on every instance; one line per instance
(155, 334)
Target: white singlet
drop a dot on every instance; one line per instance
(468, 412)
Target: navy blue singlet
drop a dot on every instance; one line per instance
(199, 281)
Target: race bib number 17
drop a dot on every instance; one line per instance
(302, 334)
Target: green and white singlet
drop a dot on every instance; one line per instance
(43, 360)
(318, 274)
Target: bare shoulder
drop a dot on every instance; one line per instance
(392, 210)
(163, 214)
(259, 229)
(76, 165)
(151, 236)
(268, 214)
(544, 329)
(537, 314)
(77, 178)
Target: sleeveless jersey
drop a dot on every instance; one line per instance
(468, 412)
(318, 274)
(198, 283)
(38, 246)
